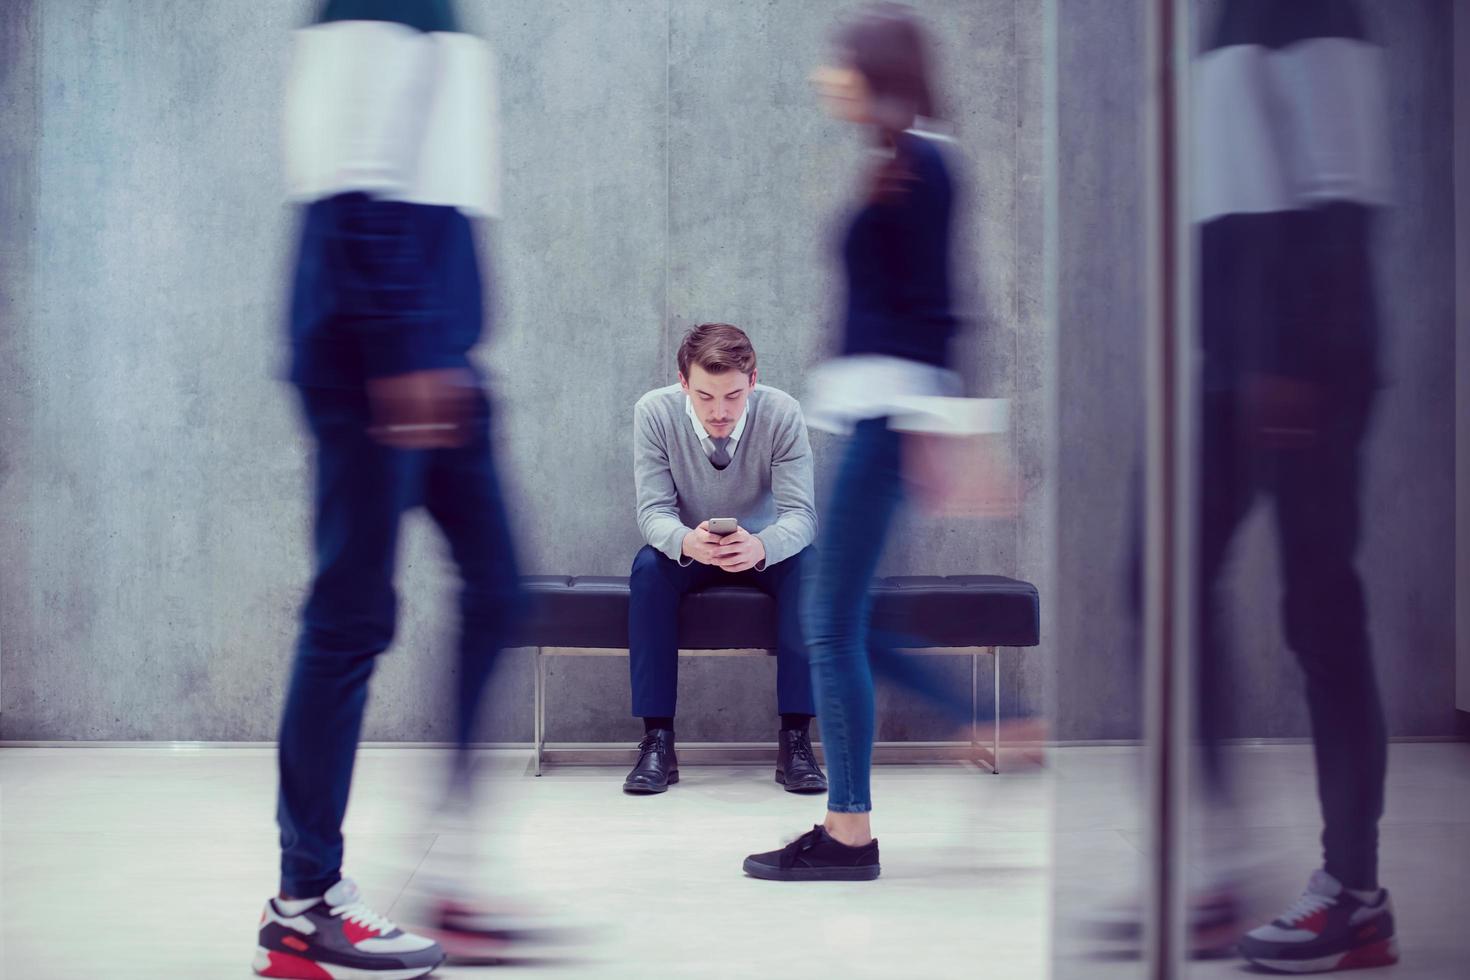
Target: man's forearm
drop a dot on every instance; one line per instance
(666, 533)
(787, 537)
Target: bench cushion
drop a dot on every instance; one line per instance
(952, 611)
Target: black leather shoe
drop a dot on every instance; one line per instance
(816, 856)
(796, 764)
(657, 766)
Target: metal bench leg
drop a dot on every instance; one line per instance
(540, 723)
(975, 752)
(995, 712)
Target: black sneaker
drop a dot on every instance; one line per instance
(657, 768)
(796, 763)
(1327, 929)
(816, 856)
(340, 938)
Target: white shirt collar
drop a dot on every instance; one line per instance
(703, 434)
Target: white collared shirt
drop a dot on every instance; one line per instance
(703, 433)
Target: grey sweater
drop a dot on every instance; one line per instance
(767, 486)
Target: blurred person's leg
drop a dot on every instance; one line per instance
(796, 763)
(1241, 268)
(1227, 486)
(864, 502)
(1228, 475)
(1332, 328)
(1319, 518)
(866, 497)
(362, 489)
(920, 674)
(463, 494)
(1343, 920)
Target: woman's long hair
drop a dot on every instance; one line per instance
(887, 45)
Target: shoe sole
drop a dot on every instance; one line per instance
(800, 787)
(1385, 952)
(865, 873)
(641, 790)
(273, 963)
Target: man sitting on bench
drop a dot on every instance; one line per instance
(717, 445)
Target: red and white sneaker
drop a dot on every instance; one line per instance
(339, 938)
(1327, 929)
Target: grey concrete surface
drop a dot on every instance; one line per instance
(665, 163)
(1407, 556)
(1098, 370)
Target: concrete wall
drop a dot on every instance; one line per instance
(666, 163)
(18, 104)
(1098, 254)
(1407, 555)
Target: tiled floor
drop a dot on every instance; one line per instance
(132, 863)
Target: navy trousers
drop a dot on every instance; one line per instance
(657, 587)
(362, 490)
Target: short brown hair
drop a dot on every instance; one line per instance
(716, 347)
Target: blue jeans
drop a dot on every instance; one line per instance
(362, 490)
(845, 653)
(658, 585)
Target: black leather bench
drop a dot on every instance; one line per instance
(964, 615)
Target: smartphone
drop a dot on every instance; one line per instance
(723, 525)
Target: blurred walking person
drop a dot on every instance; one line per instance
(893, 372)
(1290, 164)
(389, 130)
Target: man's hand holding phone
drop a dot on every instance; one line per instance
(739, 551)
(701, 544)
(722, 542)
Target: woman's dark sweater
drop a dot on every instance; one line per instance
(896, 257)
